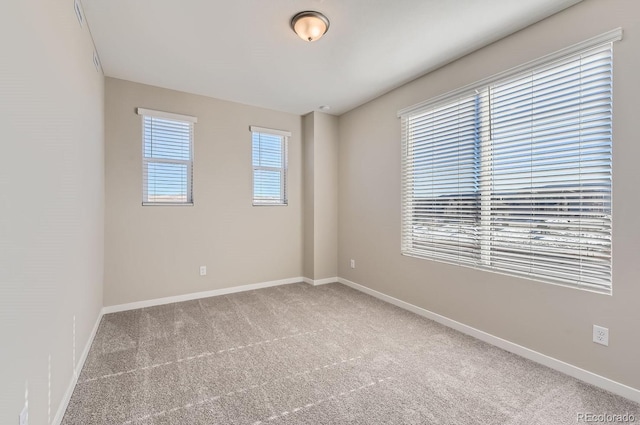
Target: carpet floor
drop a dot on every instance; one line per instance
(298, 354)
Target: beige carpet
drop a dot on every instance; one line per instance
(298, 354)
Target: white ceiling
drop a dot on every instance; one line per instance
(245, 51)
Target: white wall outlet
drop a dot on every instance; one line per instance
(24, 416)
(600, 335)
(353, 264)
(203, 270)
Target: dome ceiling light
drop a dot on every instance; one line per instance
(310, 25)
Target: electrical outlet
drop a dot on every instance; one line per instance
(353, 264)
(24, 416)
(203, 270)
(600, 335)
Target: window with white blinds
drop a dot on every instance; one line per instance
(167, 158)
(269, 158)
(514, 174)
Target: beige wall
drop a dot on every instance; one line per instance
(156, 251)
(553, 320)
(320, 151)
(308, 182)
(325, 195)
(51, 209)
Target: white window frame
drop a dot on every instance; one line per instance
(483, 88)
(284, 135)
(143, 112)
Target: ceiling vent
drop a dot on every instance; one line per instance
(96, 61)
(78, 8)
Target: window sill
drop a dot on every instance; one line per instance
(269, 205)
(167, 204)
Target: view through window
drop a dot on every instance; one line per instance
(269, 159)
(515, 176)
(167, 145)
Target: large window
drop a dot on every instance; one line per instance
(167, 158)
(269, 153)
(514, 174)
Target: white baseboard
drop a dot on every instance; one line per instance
(320, 281)
(566, 368)
(198, 295)
(62, 407)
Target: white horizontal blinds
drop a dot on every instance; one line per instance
(167, 160)
(516, 176)
(269, 157)
(551, 171)
(440, 182)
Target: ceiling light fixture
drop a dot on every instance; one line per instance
(310, 25)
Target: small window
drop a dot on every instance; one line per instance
(167, 158)
(269, 152)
